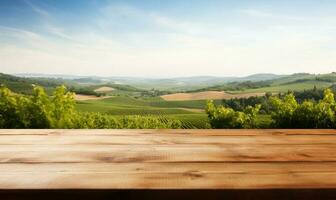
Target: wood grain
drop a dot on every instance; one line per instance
(167, 159)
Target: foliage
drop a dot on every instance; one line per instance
(85, 91)
(149, 122)
(288, 113)
(192, 121)
(126, 105)
(240, 104)
(312, 94)
(224, 117)
(24, 85)
(306, 109)
(237, 86)
(38, 110)
(300, 81)
(283, 110)
(58, 111)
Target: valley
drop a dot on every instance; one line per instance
(127, 98)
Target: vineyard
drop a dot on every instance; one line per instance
(123, 106)
(190, 113)
(192, 121)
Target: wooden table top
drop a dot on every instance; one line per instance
(167, 159)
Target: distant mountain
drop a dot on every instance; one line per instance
(174, 84)
(276, 83)
(25, 85)
(38, 75)
(262, 77)
(301, 80)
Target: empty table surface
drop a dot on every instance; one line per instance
(167, 159)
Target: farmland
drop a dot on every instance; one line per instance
(288, 86)
(294, 82)
(190, 113)
(188, 106)
(208, 95)
(83, 97)
(120, 98)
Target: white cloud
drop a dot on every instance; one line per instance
(57, 31)
(165, 46)
(37, 9)
(147, 21)
(19, 33)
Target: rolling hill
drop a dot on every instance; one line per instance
(167, 84)
(138, 97)
(136, 86)
(294, 82)
(24, 85)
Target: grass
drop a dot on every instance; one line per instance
(198, 104)
(297, 82)
(121, 106)
(139, 106)
(125, 102)
(125, 106)
(113, 109)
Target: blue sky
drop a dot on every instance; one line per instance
(167, 38)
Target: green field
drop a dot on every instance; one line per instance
(288, 86)
(133, 100)
(192, 120)
(133, 106)
(294, 82)
(190, 113)
(136, 105)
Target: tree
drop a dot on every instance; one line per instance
(283, 110)
(224, 117)
(64, 113)
(287, 113)
(58, 111)
(326, 111)
(9, 109)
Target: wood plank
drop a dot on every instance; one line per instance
(166, 153)
(122, 180)
(125, 139)
(227, 167)
(167, 159)
(159, 175)
(139, 132)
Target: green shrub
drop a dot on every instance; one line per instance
(224, 117)
(58, 111)
(287, 113)
(283, 110)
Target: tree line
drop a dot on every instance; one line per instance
(286, 112)
(40, 110)
(239, 104)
